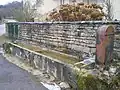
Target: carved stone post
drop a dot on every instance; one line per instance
(104, 45)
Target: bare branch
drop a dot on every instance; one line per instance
(109, 10)
(29, 9)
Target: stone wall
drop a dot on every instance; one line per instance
(72, 36)
(46, 64)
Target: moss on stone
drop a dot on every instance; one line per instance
(62, 57)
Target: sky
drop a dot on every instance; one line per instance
(3, 2)
(48, 6)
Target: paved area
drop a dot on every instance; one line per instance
(15, 78)
(2, 29)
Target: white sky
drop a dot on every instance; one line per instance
(2, 2)
(48, 6)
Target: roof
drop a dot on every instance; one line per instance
(9, 20)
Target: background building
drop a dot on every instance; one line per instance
(116, 9)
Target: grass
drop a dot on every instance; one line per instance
(3, 39)
(62, 57)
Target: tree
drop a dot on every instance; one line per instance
(7, 11)
(109, 9)
(28, 11)
(18, 14)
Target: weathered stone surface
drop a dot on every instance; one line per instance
(58, 70)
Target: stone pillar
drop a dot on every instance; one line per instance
(104, 45)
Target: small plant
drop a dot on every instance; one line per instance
(86, 81)
(6, 47)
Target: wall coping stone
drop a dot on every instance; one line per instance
(67, 22)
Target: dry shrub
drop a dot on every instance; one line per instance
(77, 12)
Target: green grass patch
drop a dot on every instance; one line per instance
(3, 39)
